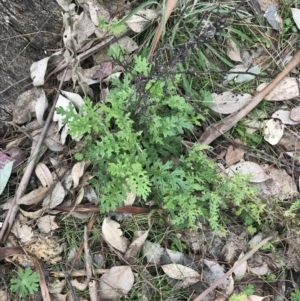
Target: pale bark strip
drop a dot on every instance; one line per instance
(219, 128)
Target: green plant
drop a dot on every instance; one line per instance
(26, 283)
(271, 277)
(132, 139)
(295, 296)
(238, 297)
(247, 291)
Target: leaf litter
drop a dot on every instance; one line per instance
(58, 187)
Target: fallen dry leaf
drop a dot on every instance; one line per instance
(98, 73)
(22, 231)
(153, 252)
(55, 144)
(38, 69)
(56, 286)
(227, 102)
(33, 197)
(25, 106)
(295, 114)
(260, 270)
(77, 172)
(284, 117)
(4, 296)
(233, 155)
(55, 197)
(217, 129)
(225, 293)
(288, 185)
(130, 198)
(128, 44)
(33, 214)
(75, 98)
(97, 10)
(247, 58)
(46, 223)
(17, 155)
(245, 168)
(240, 73)
(81, 286)
(232, 50)
(273, 17)
(115, 283)
(288, 88)
(255, 240)
(213, 272)
(179, 272)
(290, 142)
(6, 166)
(140, 21)
(64, 4)
(265, 3)
(44, 174)
(240, 271)
(79, 196)
(186, 282)
(64, 103)
(137, 243)
(41, 106)
(114, 235)
(176, 256)
(269, 188)
(273, 131)
(296, 16)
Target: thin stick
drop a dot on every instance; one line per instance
(238, 263)
(12, 212)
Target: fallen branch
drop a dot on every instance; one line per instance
(238, 263)
(12, 212)
(219, 128)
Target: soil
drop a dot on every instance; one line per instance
(30, 31)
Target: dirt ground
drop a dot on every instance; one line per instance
(30, 30)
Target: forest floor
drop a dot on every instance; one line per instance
(155, 156)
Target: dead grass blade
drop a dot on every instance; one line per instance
(169, 8)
